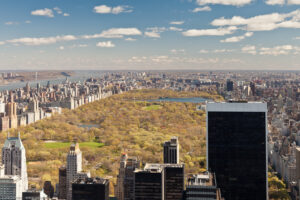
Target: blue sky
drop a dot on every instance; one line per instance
(150, 34)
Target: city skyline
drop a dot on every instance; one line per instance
(150, 35)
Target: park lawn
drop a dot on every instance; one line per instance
(152, 107)
(55, 145)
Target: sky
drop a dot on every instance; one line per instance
(150, 35)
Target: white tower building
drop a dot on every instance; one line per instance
(14, 159)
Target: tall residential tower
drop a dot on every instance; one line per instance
(125, 180)
(14, 159)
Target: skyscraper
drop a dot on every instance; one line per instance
(62, 185)
(149, 183)
(236, 148)
(14, 159)
(229, 85)
(125, 180)
(171, 151)
(11, 111)
(90, 189)
(159, 181)
(173, 181)
(74, 166)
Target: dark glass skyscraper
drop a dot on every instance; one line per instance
(171, 151)
(236, 148)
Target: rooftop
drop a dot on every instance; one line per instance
(203, 179)
(13, 141)
(96, 180)
(236, 107)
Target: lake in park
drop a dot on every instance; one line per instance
(182, 100)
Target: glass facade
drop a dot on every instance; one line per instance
(237, 153)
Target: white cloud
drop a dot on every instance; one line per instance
(115, 33)
(203, 51)
(130, 39)
(272, 51)
(136, 59)
(201, 9)
(121, 9)
(11, 23)
(61, 48)
(172, 28)
(154, 32)
(223, 50)
(210, 32)
(107, 44)
(277, 50)
(2, 43)
(250, 49)
(82, 45)
(28, 22)
(282, 2)
(237, 38)
(177, 22)
(79, 45)
(43, 12)
(104, 9)
(177, 51)
(58, 10)
(275, 2)
(265, 22)
(224, 2)
(42, 40)
(293, 2)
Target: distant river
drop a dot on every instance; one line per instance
(183, 100)
(78, 76)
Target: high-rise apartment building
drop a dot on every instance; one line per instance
(4, 122)
(14, 159)
(125, 180)
(171, 151)
(11, 112)
(74, 166)
(236, 148)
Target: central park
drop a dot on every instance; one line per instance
(135, 122)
